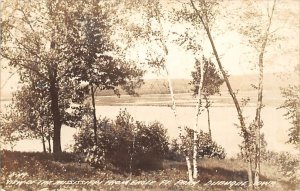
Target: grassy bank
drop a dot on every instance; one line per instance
(36, 171)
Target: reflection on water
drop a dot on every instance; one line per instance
(224, 132)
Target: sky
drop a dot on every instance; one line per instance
(236, 56)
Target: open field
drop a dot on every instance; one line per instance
(271, 98)
(242, 83)
(155, 92)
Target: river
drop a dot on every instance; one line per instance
(224, 132)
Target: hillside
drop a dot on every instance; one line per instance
(272, 83)
(26, 171)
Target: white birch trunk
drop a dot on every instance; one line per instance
(171, 93)
(197, 112)
(173, 107)
(187, 158)
(232, 94)
(260, 99)
(165, 49)
(195, 152)
(189, 166)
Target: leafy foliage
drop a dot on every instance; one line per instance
(98, 61)
(140, 146)
(11, 129)
(206, 147)
(212, 78)
(287, 164)
(60, 46)
(251, 147)
(291, 105)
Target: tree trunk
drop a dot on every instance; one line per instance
(250, 176)
(187, 158)
(44, 145)
(54, 94)
(232, 94)
(43, 138)
(49, 144)
(131, 157)
(245, 133)
(172, 94)
(208, 116)
(189, 166)
(198, 106)
(195, 153)
(208, 123)
(258, 122)
(94, 114)
(190, 170)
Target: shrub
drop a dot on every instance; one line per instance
(209, 148)
(175, 153)
(151, 145)
(125, 143)
(86, 148)
(288, 165)
(206, 146)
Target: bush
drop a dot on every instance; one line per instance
(125, 143)
(206, 146)
(288, 165)
(175, 153)
(151, 145)
(209, 148)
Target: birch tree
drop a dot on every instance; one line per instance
(158, 32)
(157, 18)
(198, 112)
(211, 85)
(257, 30)
(202, 14)
(156, 37)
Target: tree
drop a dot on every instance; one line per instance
(11, 129)
(32, 105)
(257, 30)
(97, 64)
(291, 105)
(37, 46)
(211, 84)
(206, 146)
(158, 38)
(50, 44)
(202, 15)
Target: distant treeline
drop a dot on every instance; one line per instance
(272, 82)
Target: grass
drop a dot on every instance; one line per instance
(69, 167)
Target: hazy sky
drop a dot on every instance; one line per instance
(236, 57)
